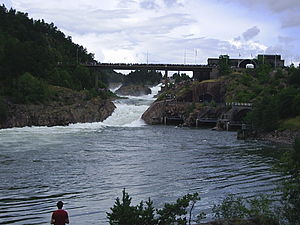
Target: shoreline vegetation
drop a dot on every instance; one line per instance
(233, 210)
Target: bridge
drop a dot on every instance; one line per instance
(200, 72)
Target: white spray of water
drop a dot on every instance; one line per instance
(128, 113)
(113, 89)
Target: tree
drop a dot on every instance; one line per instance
(123, 213)
(294, 77)
(224, 67)
(3, 110)
(32, 90)
(290, 166)
(286, 102)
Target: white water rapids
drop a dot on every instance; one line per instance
(129, 111)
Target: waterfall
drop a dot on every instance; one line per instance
(129, 111)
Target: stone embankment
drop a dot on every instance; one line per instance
(185, 113)
(286, 137)
(65, 108)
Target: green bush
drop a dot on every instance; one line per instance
(290, 166)
(32, 90)
(123, 213)
(294, 77)
(238, 208)
(231, 208)
(3, 110)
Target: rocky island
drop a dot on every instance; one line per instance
(133, 90)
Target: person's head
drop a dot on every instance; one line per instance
(59, 204)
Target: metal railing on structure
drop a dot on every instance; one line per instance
(242, 104)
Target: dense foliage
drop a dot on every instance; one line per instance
(275, 94)
(290, 166)
(123, 213)
(224, 67)
(234, 208)
(37, 54)
(178, 77)
(143, 77)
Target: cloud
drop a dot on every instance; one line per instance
(251, 33)
(273, 5)
(126, 3)
(7, 3)
(170, 3)
(291, 20)
(124, 30)
(149, 4)
(286, 39)
(288, 11)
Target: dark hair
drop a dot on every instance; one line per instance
(60, 204)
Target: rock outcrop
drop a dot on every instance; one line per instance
(67, 107)
(160, 110)
(133, 90)
(186, 102)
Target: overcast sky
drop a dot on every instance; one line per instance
(174, 31)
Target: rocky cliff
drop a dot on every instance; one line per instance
(66, 107)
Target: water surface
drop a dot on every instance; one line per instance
(87, 166)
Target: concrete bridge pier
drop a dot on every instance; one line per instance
(166, 78)
(201, 75)
(96, 80)
(94, 71)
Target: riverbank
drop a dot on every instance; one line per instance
(286, 137)
(65, 107)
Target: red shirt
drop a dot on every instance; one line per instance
(59, 217)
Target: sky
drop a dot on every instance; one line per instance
(174, 31)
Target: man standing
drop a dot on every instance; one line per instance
(60, 216)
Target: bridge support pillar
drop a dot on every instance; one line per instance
(201, 75)
(96, 80)
(166, 78)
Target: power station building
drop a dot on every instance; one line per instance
(273, 60)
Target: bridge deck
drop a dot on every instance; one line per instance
(135, 66)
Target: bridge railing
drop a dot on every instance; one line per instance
(145, 64)
(243, 104)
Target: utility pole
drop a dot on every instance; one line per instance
(147, 57)
(184, 59)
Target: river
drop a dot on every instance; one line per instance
(87, 166)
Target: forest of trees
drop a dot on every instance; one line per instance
(143, 77)
(35, 54)
(275, 94)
